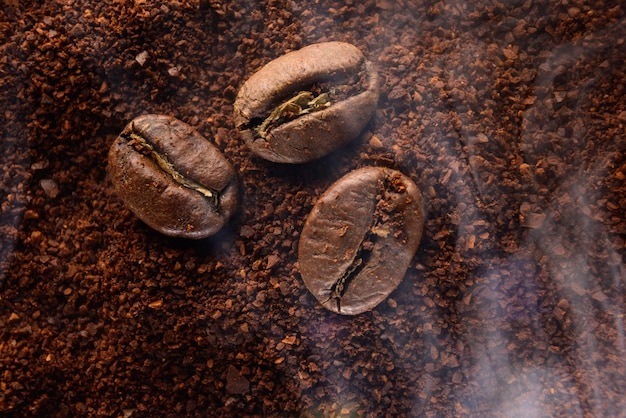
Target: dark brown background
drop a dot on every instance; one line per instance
(509, 115)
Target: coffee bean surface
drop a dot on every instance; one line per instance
(307, 103)
(359, 239)
(172, 178)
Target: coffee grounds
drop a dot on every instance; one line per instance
(510, 118)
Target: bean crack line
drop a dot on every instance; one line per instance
(145, 148)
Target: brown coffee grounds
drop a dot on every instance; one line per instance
(510, 118)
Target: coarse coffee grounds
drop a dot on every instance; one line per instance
(509, 117)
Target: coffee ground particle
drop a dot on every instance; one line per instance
(509, 117)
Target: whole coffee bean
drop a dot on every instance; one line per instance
(359, 239)
(307, 103)
(172, 178)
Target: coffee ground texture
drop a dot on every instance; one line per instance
(509, 116)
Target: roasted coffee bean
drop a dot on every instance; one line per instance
(307, 103)
(172, 178)
(359, 239)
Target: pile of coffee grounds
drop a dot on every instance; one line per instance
(510, 117)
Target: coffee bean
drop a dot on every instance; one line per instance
(307, 103)
(172, 178)
(359, 239)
